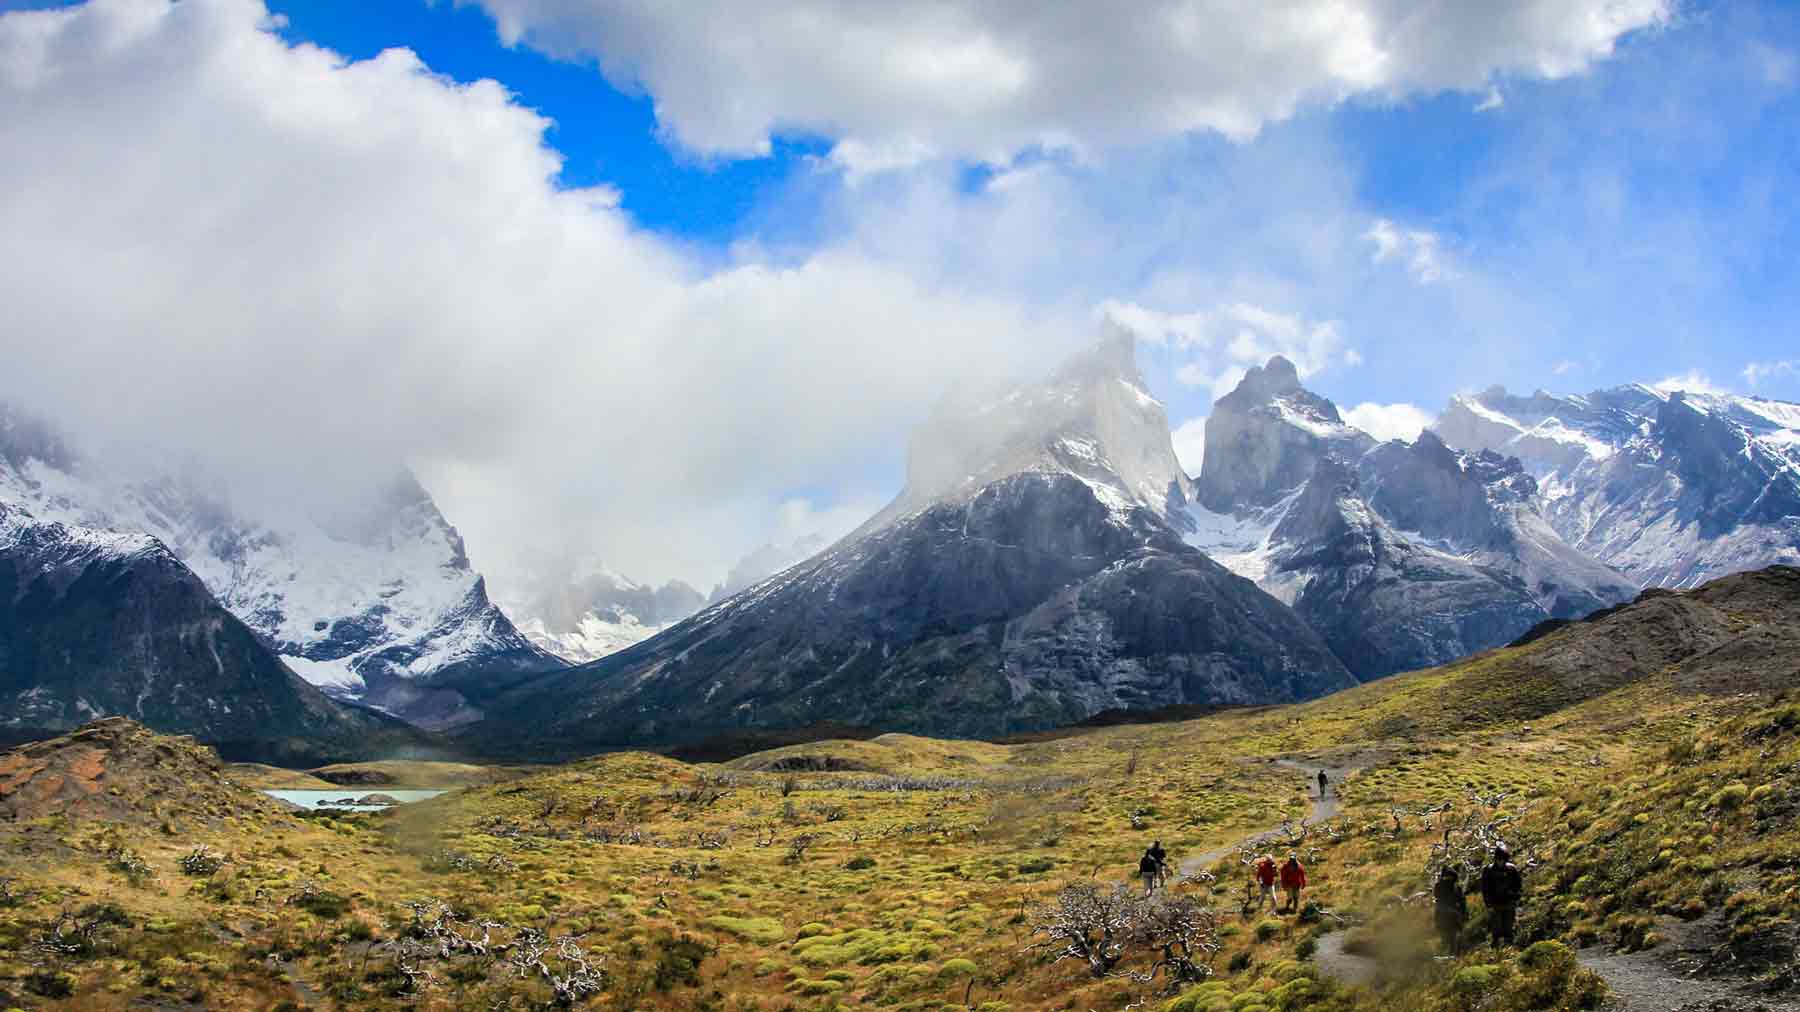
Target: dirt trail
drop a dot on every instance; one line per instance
(1322, 808)
(1663, 980)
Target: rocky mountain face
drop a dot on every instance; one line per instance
(374, 603)
(1400, 555)
(98, 623)
(1032, 573)
(1672, 488)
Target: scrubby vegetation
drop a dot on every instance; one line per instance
(912, 874)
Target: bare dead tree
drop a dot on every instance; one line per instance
(1101, 926)
(1088, 923)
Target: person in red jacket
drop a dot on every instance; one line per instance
(1293, 879)
(1264, 873)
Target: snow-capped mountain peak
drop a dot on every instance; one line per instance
(1093, 418)
(1399, 554)
(370, 599)
(1673, 487)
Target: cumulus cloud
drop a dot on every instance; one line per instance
(1418, 249)
(1390, 421)
(311, 271)
(1221, 343)
(1190, 444)
(984, 79)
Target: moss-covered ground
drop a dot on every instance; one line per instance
(908, 873)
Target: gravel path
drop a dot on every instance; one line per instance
(1322, 809)
(1663, 979)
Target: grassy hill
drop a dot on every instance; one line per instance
(1645, 764)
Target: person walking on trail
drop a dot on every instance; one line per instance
(1293, 879)
(1149, 869)
(1162, 862)
(1451, 910)
(1501, 888)
(1324, 782)
(1264, 873)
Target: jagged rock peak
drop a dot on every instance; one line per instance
(1276, 378)
(1264, 438)
(1113, 356)
(1091, 417)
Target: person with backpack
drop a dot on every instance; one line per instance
(1293, 879)
(1150, 870)
(1451, 909)
(1162, 862)
(1264, 874)
(1324, 781)
(1501, 888)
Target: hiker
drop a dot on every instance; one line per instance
(1162, 861)
(1264, 873)
(1452, 909)
(1501, 888)
(1293, 879)
(1324, 782)
(1149, 869)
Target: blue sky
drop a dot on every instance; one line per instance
(1501, 187)
(776, 230)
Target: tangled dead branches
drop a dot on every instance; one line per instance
(439, 933)
(1100, 926)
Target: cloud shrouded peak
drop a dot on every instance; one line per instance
(895, 83)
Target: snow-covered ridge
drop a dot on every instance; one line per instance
(1672, 487)
(383, 588)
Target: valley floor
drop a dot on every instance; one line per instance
(909, 873)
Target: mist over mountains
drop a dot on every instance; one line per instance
(1047, 559)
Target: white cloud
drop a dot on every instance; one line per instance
(985, 79)
(1222, 342)
(1491, 101)
(1390, 421)
(1693, 381)
(1565, 367)
(1419, 249)
(1190, 444)
(1756, 372)
(307, 271)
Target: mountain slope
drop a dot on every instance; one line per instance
(1029, 575)
(97, 623)
(1672, 488)
(1400, 555)
(1738, 634)
(375, 602)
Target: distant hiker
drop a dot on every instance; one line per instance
(1150, 870)
(1452, 909)
(1162, 861)
(1324, 782)
(1264, 874)
(1501, 888)
(1293, 879)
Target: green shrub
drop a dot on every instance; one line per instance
(1729, 797)
(766, 930)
